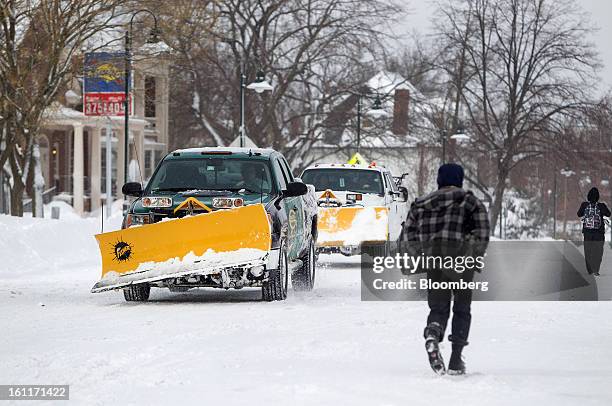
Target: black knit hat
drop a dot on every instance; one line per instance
(593, 195)
(450, 175)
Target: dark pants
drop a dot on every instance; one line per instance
(593, 251)
(439, 301)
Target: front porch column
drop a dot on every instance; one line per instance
(139, 142)
(78, 173)
(96, 168)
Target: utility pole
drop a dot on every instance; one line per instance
(242, 86)
(555, 205)
(109, 169)
(126, 114)
(443, 141)
(566, 173)
(565, 207)
(359, 123)
(153, 38)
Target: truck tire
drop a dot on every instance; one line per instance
(304, 278)
(137, 293)
(276, 286)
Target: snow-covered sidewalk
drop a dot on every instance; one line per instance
(227, 347)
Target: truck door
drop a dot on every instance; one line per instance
(293, 210)
(395, 223)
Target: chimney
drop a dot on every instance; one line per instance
(401, 104)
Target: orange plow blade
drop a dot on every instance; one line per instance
(351, 226)
(200, 244)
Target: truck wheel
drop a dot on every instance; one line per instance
(137, 293)
(304, 278)
(276, 287)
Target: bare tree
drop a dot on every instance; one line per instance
(312, 51)
(519, 69)
(39, 43)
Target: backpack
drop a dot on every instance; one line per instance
(592, 217)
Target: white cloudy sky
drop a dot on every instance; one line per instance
(600, 10)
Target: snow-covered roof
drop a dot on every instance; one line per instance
(58, 111)
(385, 82)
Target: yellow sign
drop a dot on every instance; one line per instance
(328, 194)
(192, 204)
(357, 159)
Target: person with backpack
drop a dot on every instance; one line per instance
(592, 213)
(451, 221)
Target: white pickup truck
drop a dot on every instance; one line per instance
(358, 205)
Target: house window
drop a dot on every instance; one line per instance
(148, 162)
(149, 96)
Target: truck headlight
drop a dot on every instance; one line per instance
(157, 202)
(137, 220)
(227, 202)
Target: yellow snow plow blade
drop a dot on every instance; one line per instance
(200, 244)
(351, 226)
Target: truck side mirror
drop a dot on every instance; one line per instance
(295, 189)
(132, 189)
(404, 191)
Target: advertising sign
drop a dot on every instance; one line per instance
(104, 84)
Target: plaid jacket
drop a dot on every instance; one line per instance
(450, 215)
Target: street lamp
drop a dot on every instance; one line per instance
(260, 85)
(459, 136)
(566, 174)
(152, 39)
(375, 112)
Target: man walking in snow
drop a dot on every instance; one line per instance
(449, 220)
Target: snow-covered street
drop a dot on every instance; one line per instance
(325, 347)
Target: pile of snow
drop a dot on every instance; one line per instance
(522, 218)
(40, 245)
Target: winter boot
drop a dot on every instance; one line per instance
(456, 366)
(433, 333)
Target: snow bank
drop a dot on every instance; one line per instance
(44, 245)
(30, 244)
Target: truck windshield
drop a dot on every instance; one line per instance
(212, 174)
(353, 180)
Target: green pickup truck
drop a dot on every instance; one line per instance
(220, 179)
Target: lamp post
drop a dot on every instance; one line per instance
(375, 112)
(260, 85)
(153, 38)
(566, 173)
